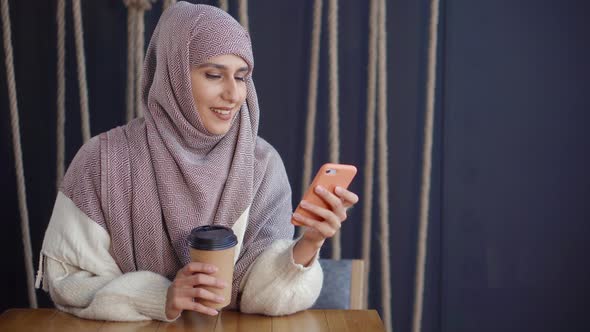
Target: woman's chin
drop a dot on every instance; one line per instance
(218, 130)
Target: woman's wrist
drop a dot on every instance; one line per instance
(313, 243)
(305, 250)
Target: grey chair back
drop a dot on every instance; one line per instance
(343, 286)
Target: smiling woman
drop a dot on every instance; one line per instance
(219, 89)
(116, 245)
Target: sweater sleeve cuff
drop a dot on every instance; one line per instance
(152, 302)
(279, 286)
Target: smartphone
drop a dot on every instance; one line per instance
(328, 176)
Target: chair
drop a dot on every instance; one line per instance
(344, 284)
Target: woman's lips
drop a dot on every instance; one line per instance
(222, 114)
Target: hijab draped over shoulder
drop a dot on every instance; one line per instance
(150, 182)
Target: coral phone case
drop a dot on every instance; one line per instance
(328, 176)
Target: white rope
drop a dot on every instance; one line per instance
(243, 13)
(383, 177)
(223, 5)
(61, 90)
(334, 91)
(426, 168)
(130, 63)
(167, 3)
(139, 45)
(369, 167)
(135, 53)
(81, 61)
(312, 96)
(18, 155)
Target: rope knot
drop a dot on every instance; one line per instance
(142, 5)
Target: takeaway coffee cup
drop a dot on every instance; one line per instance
(214, 244)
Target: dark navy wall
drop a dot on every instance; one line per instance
(516, 188)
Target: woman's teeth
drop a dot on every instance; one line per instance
(222, 112)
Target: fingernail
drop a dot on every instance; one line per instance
(214, 312)
(297, 216)
(320, 189)
(304, 204)
(339, 190)
(220, 299)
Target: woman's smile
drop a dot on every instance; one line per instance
(224, 114)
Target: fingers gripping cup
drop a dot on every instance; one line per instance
(215, 245)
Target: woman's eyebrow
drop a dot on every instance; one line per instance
(222, 67)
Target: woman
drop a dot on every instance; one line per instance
(115, 247)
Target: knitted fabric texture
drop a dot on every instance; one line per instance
(150, 182)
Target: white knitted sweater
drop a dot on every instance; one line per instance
(83, 278)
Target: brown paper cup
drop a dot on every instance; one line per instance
(215, 245)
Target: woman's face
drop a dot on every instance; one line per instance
(219, 91)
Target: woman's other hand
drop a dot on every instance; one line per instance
(328, 221)
(187, 288)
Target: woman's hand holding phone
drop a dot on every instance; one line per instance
(324, 205)
(328, 220)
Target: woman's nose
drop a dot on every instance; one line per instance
(230, 91)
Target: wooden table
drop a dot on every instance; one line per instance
(306, 321)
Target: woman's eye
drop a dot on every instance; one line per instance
(241, 78)
(212, 76)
